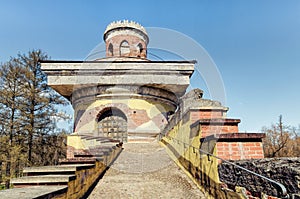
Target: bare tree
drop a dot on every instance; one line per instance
(278, 140)
(27, 109)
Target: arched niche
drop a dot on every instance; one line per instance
(112, 122)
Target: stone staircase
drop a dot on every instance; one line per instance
(73, 177)
(90, 140)
(49, 175)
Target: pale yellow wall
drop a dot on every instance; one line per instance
(152, 108)
(76, 142)
(186, 151)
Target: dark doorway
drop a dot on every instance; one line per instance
(113, 123)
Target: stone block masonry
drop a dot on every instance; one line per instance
(283, 170)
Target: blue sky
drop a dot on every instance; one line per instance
(255, 44)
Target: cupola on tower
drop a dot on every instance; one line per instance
(126, 39)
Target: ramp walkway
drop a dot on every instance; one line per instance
(144, 170)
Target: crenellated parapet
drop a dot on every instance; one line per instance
(126, 39)
(125, 24)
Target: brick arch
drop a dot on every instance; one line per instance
(110, 50)
(112, 122)
(124, 48)
(121, 106)
(112, 109)
(140, 48)
(142, 52)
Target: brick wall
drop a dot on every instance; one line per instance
(133, 42)
(205, 114)
(211, 129)
(240, 150)
(236, 146)
(213, 121)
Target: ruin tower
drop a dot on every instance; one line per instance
(123, 95)
(126, 39)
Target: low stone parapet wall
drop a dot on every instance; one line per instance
(182, 141)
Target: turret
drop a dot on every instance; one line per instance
(126, 39)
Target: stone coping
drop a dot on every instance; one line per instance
(212, 108)
(33, 192)
(58, 168)
(225, 121)
(43, 179)
(234, 137)
(115, 61)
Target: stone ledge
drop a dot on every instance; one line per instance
(115, 61)
(234, 137)
(212, 108)
(33, 192)
(43, 180)
(217, 121)
(57, 169)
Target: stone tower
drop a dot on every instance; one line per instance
(123, 95)
(127, 97)
(126, 39)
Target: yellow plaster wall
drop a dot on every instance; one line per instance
(151, 107)
(75, 141)
(183, 147)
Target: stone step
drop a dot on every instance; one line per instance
(97, 143)
(99, 139)
(107, 140)
(141, 139)
(33, 192)
(42, 180)
(91, 153)
(97, 151)
(83, 155)
(59, 169)
(88, 137)
(103, 144)
(78, 160)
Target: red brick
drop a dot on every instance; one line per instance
(255, 148)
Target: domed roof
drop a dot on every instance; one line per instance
(125, 24)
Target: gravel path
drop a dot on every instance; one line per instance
(144, 170)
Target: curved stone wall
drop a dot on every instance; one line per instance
(145, 116)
